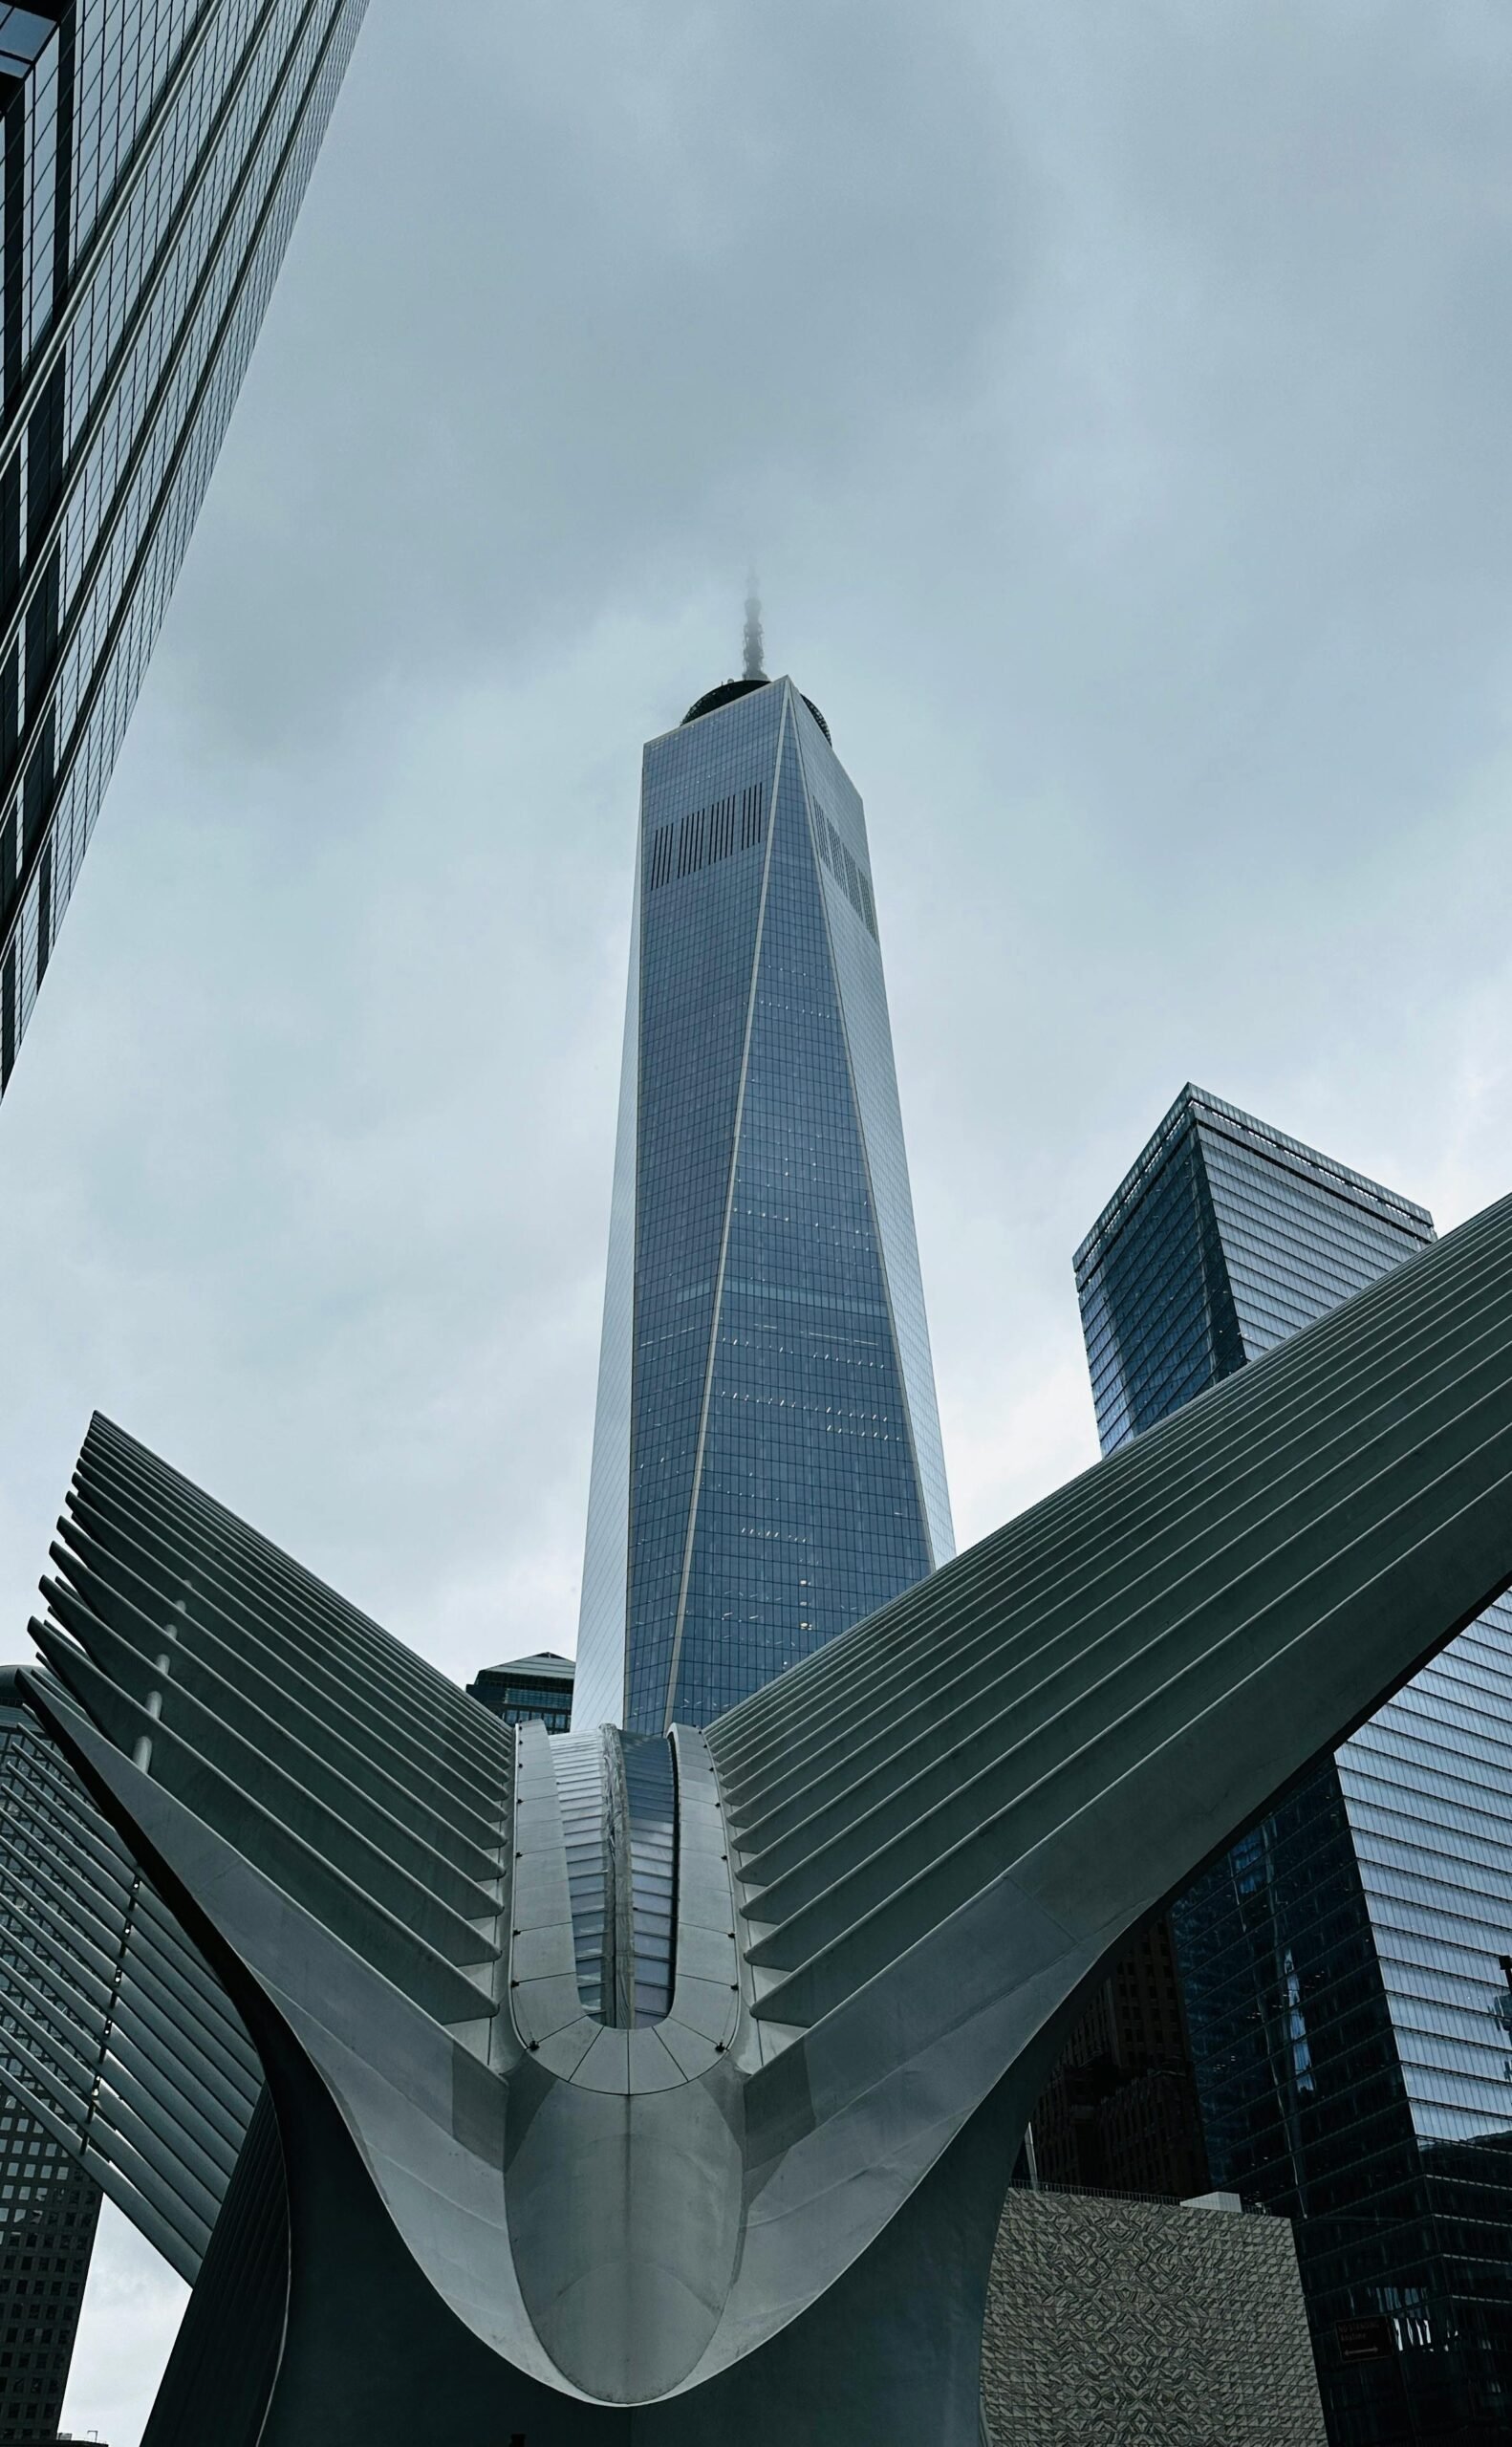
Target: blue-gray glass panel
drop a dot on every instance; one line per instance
(840, 819)
(155, 161)
(1158, 1312)
(49, 2206)
(1428, 1785)
(23, 35)
(1293, 1249)
(766, 1305)
(699, 941)
(1351, 2019)
(599, 1690)
(809, 1511)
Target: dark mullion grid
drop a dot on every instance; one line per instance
(707, 835)
(64, 777)
(48, 645)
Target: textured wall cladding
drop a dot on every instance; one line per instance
(1131, 2324)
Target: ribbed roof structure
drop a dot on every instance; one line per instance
(755, 2195)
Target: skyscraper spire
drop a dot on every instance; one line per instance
(753, 634)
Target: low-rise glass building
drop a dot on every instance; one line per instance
(529, 1690)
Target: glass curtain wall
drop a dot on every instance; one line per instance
(49, 2206)
(154, 153)
(768, 1465)
(1346, 1966)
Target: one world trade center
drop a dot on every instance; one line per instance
(767, 1457)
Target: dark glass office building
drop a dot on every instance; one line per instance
(529, 1690)
(154, 157)
(1120, 2112)
(52, 2210)
(767, 1457)
(49, 2206)
(1346, 1966)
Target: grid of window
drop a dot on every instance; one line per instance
(518, 1696)
(1292, 1249)
(153, 161)
(599, 1690)
(1237, 1237)
(767, 1393)
(24, 36)
(547, 1703)
(1120, 2111)
(699, 945)
(835, 805)
(809, 1506)
(1346, 1966)
(851, 877)
(1156, 1308)
(49, 2210)
(127, 2057)
(49, 2206)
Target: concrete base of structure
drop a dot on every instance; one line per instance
(890, 2357)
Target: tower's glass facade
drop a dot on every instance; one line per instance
(153, 154)
(154, 157)
(51, 2210)
(1347, 1967)
(766, 1458)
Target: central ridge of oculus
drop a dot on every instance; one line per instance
(617, 1796)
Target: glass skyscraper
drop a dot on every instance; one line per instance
(154, 153)
(154, 157)
(1347, 1967)
(767, 1457)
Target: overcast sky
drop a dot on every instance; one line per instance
(1115, 400)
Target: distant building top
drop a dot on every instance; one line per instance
(528, 1690)
(728, 690)
(545, 1666)
(1197, 1104)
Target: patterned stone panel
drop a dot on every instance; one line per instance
(1132, 2323)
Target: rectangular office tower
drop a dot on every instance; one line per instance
(154, 157)
(528, 1690)
(767, 1457)
(1346, 1966)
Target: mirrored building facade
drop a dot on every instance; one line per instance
(767, 1460)
(1346, 1966)
(154, 156)
(155, 153)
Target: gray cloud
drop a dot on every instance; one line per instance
(1114, 403)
